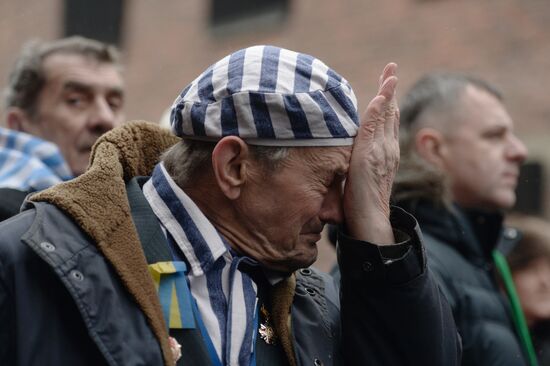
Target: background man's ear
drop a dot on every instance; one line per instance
(430, 145)
(230, 159)
(18, 120)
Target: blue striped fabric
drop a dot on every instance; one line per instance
(225, 296)
(234, 73)
(29, 163)
(303, 73)
(268, 96)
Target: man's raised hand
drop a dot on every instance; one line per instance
(373, 165)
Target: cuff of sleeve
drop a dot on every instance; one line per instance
(378, 265)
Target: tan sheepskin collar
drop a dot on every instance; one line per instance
(98, 203)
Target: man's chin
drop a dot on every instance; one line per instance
(306, 262)
(499, 199)
(505, 201)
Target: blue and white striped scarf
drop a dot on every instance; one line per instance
(225, 296)
(29, 163)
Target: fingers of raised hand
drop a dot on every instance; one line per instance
(388, 90)
(389, 71)
(380, 125)
(374, 117)
(381, 115)
(375, 155)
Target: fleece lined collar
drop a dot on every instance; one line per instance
(97, 202)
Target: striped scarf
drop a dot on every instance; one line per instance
(29, 163)
(225, 296)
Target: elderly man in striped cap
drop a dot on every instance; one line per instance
(195, 247)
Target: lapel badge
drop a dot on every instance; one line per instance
(267, 333)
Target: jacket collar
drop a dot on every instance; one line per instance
(125, 152)
(151, 236)
(473, 233)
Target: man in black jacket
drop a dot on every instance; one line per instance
(211, 245)
(459, 169)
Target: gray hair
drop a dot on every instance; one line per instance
(438, 92)
(435, 93)
(188, 157)
(27, 77)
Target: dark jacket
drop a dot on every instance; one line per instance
(75, 288)
(459, 244)
(10, 202)
(541, 341)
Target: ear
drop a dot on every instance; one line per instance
(430, 145)
(230, 161)
(18, 120)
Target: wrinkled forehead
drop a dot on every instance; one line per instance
(63, 62)
(81, 72)
(332, 159)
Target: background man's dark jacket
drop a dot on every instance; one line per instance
(459, 245)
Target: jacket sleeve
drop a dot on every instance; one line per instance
(392, 312)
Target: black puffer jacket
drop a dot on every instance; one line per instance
(459, 246)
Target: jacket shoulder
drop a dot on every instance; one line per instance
(451, 269)
(38, 217)
(10, 202)
(12, 230)
(443, 259)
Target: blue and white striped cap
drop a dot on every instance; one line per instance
(270, 96)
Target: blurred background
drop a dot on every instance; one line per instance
(166, 44)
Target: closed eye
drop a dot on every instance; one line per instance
(499, 133)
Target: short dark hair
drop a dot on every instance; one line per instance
(439, 90)
(27, 78)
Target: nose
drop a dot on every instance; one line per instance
(517, 151)
(103, 118)
(331, 209)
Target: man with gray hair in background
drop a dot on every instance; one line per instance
(197, 245)
(61, 96)
(459, 169)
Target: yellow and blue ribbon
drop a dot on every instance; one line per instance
(174, 294)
